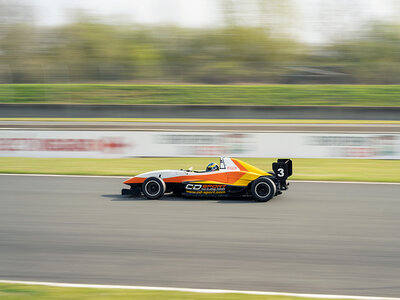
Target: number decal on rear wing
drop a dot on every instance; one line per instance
(282, 169)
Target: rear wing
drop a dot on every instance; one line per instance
(283, 168)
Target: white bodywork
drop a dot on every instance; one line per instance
(226, 165)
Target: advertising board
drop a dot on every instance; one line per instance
(120, 144)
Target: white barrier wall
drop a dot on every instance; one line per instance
(114, 144)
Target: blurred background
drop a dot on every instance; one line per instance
(81, 83)
(200, 41)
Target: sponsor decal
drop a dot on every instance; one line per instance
(205, 189)
(194, 187)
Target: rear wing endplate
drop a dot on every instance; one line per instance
(283, 168)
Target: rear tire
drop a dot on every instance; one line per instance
(153, 188)
(263, 189)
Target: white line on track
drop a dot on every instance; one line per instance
(105, 176)
(191, 290)
(61, 175)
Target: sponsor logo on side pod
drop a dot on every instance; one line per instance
(194, 187)
(205, 187)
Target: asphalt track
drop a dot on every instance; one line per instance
(327, 238)
(160, 126)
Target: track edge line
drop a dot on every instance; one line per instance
(195, 290)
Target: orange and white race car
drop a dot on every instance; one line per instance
(231, 178)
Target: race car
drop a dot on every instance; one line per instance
(232, 178)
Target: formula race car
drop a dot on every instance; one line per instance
(231, 178)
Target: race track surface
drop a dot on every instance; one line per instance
(326, 238)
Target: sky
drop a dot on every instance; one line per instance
(316, 20)
(194, 13)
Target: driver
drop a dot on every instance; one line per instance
(212, 167)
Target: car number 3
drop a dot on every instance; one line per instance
(281, 172)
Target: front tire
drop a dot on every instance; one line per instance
(263, 189)
(153, 188)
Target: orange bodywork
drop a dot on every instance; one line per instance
(241, 177)
(135, 180)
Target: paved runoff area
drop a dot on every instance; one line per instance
(321, 238)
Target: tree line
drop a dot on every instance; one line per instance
(94, 50)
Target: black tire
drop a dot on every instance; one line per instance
(263, 189)
(153, 188)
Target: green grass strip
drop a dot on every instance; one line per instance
(191, 120)
(32, 292)
(304, 168)
(337, 95)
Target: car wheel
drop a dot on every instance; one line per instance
(263, 189)
(153, 188)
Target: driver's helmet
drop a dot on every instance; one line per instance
(212, 167)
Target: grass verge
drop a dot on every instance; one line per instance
(304, 168)
(191, 120)
(31, 292)
(340, 95)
